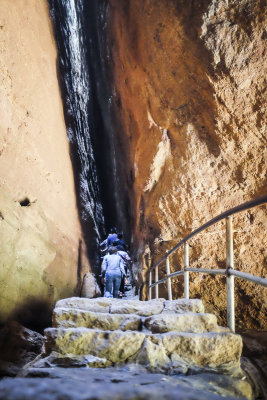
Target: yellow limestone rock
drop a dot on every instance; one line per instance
(71, 318)
(137, 307)
(182, 322)
(115, 346)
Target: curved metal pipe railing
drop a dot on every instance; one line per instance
(229, 271)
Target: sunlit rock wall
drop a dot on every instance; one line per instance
(41, 247)
(189, 95)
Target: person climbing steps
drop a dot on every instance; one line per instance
(112, 270)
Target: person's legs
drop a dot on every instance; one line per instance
(122, 286)
(116, 285)
(108, 285)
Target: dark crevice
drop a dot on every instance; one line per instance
(90, 123)
(110, 153)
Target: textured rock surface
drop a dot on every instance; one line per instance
(205, 349)
(152, 355)
(190, 98)
(18, 346)
(98, 305)
(176, 352)
(209, 349)
(132, 383)
(183, 305)
(115, 306)
(186, 322)
(90, 287)
(69, 361)
(254, 360)
(137, 307)
(69, 318)
(39, 225)
(115, 346)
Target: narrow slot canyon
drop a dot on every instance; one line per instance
(148, 116)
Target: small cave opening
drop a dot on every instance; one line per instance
(25, 202)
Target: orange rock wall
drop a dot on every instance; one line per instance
(190, 98)
(39, 244)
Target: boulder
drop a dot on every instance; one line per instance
(90, 288)
(18, 346)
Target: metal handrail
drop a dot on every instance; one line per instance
(242, 207)
(229, 271)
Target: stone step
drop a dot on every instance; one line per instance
(68, 318)
(156, 351)
(100, 304)
(161, 323)
(183, 322)
(141, 308)
(115, 346)
(154, 307)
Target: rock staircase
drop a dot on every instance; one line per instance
(163, 336)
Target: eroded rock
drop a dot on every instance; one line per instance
(18, 346)
(142, 308)
(184, 305)
(90, 288)
(100, 304)
(205, 349)
(182, 322)
(115, 346)
(70, 361)
(69, 318)
(153, 356)
(192, 90)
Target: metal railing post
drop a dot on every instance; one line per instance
(186, 273)
(150, 283)
(156, 279)
(169, 284)
(230, 278)
(149, 288)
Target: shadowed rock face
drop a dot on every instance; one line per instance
(18, 346)
(189, 96)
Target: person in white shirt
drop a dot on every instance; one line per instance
(113, 269)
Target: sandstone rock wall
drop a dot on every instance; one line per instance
(190, 98)
(40, 233)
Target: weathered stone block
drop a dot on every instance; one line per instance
(184, 305)
(143, 308)
(205, 349)
(153, 356)
(100, 304)
(182, 322)
(71, 318)
(115, 346)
